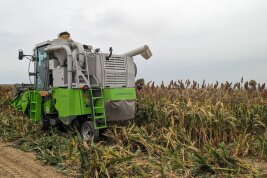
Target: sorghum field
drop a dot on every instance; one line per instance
(183, 129)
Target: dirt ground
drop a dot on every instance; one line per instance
(262, 165)
(16, 163)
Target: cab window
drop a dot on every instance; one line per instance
(41, 69)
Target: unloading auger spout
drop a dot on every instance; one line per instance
(143, 50)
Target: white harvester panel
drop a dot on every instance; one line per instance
(60, 77)
(115, 72)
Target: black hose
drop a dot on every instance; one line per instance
(110, 53)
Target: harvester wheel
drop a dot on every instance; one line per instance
(45, 123)
(88, 132)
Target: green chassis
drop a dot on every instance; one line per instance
(67, 104)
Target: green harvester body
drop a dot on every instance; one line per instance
(74, 83)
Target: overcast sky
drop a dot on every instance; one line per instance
(196, 39)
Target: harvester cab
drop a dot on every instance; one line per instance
(77, 84)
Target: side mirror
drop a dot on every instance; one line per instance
(21, 55)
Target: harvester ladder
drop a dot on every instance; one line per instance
(35, 106)
(82, 74)
(98, 108)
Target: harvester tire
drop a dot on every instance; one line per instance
(45, 123)
(88, 131)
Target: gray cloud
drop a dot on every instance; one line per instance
(208, 39)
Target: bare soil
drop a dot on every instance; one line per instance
(260, 165)
(16, 163)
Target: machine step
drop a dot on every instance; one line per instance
(95, 98)
(98, 108)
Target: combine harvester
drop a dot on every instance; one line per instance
(76, 84)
